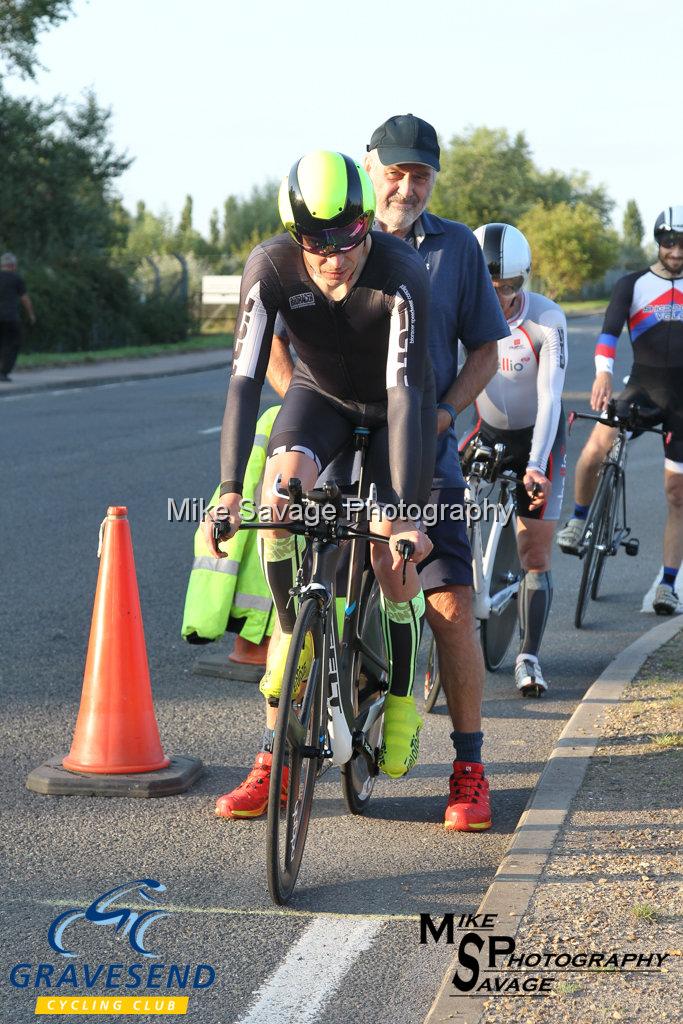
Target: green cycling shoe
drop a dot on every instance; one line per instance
(271, 682)
(400, 746)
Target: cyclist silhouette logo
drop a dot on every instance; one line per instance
(126, 920)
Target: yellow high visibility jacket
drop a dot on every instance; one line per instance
(221, 589)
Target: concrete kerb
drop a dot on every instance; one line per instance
(519, 873)
(92, 376)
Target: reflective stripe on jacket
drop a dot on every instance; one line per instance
(234, 587)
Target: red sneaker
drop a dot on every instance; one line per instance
(250, 799)
(468, 809)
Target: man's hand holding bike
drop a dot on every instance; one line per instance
(227, 513)
(602, 390)
(537, 486)
(402, 529)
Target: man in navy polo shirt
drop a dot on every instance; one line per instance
(403, 160)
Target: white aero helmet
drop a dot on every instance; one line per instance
(506, 251)
(670, 219)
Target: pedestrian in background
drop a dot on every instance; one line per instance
(12, 294)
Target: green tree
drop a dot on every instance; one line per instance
(633, 254)
(248, 221)
(21, 21)
(488, 176)
(570, 244)
(632, 225)
(485, 176)
(214, 231)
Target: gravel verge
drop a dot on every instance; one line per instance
(613, 881)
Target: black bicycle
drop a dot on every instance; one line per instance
(335, 715)
(606, 528)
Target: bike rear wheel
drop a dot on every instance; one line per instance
(616, 489)
(432, 683)
(497, 631)
(594, 533)
(298, 744)
(358, 775)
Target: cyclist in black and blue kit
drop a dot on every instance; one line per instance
(355, 306)
(650, 301)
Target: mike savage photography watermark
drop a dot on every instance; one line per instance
(193, 510)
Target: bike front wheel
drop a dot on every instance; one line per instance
(616, 490)
(297, 755)
(497, 631)
(358, 775)
(595, 535)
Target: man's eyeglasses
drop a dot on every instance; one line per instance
(670, 240)
(508, 289)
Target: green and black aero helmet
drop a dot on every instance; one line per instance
(327, 203)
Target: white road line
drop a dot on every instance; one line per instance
(210, 430)
(311, 971)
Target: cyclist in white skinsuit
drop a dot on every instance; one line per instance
(522, 407)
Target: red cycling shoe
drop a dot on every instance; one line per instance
(250, 798)
(468, 809)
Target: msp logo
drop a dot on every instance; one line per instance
(125, 921)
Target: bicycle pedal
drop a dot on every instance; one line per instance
(570, 551)
(532, 690)
(631, 546)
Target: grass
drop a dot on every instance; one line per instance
(584, 307)
(567, 988)
(669, 739)
(195, 343)
(644, 911)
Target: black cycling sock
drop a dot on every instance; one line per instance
(535, 597)
(402, 626)
(467, 746)
(280, 561)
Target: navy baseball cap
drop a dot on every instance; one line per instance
(406, 139)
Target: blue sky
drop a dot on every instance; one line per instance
(214, 96)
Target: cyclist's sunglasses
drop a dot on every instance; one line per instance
(341, 239)
(508, 288)
(670, 240)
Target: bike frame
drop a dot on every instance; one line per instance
(482, 561)
(615, 457)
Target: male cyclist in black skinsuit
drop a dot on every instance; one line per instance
(651, 301)
(355, 306)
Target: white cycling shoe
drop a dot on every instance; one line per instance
(528, 676)
(569, 537)
(666, 600)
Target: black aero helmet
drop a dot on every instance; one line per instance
(670, 219)
(327, 203)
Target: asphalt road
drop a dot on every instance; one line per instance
(349, 946)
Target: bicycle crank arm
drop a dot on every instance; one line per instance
(501, 600)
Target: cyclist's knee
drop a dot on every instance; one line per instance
(449, 607)
(598, 444)
(673, 488)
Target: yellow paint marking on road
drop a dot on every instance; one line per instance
(245, 911)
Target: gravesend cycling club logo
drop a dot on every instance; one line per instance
(127, 922)
(127, 912)
(490, 964)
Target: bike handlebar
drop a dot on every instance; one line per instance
(611, 418)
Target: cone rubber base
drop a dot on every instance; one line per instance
(52, 779)
(213, 661)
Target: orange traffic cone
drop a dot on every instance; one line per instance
(116, 731)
